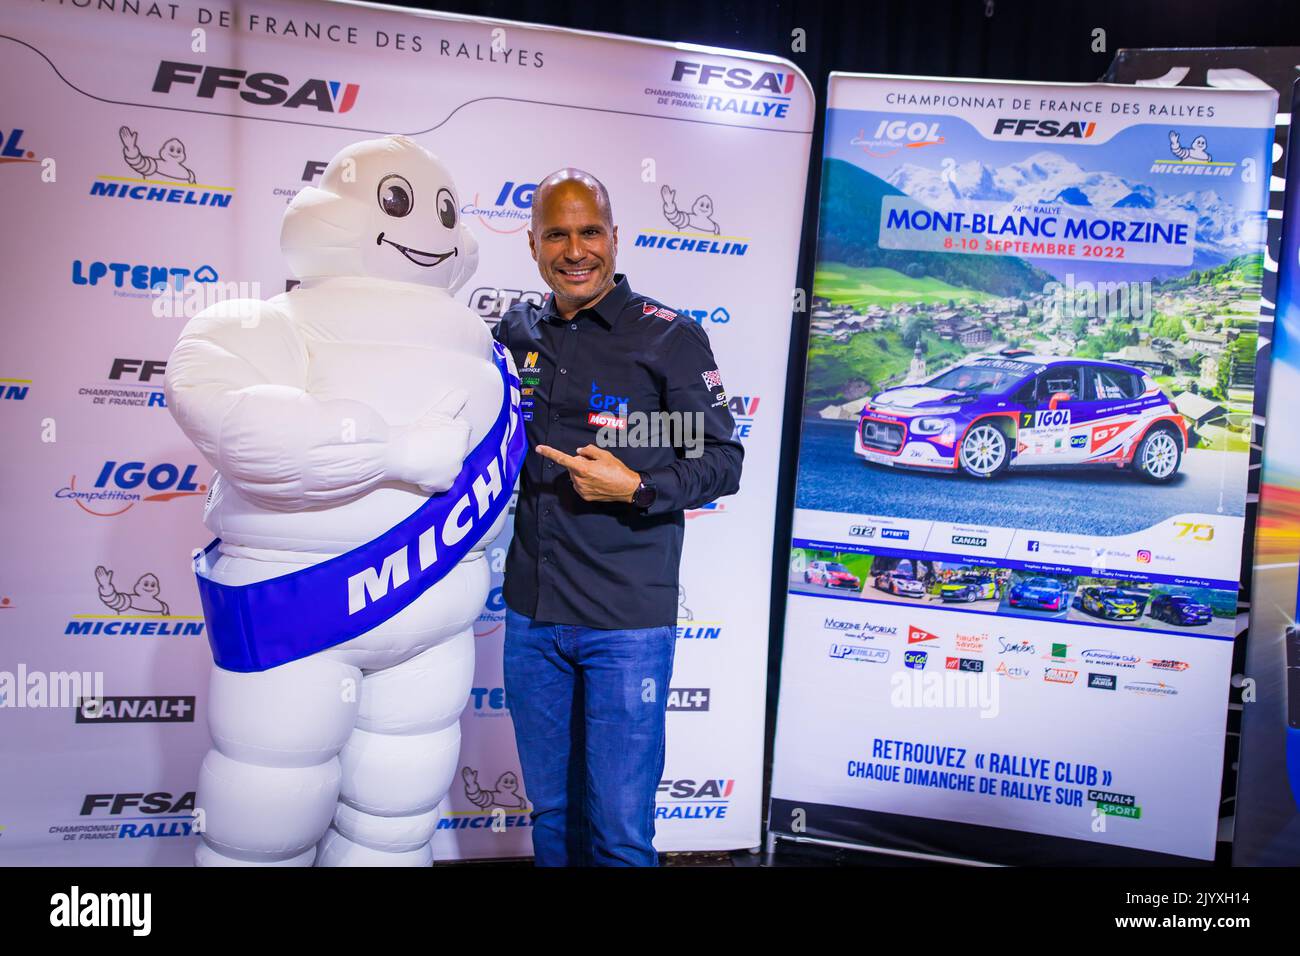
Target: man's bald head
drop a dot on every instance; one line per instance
(569, 178)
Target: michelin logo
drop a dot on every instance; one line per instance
(1197, 151)
(700, 217)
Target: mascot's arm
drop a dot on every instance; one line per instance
(236, 384)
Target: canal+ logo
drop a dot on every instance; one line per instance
(120, 486)
(258, 89)
(1046, 128)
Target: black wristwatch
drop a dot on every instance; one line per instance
(644, 496)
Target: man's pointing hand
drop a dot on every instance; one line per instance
(596, 474)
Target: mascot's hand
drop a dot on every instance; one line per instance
(128, 137)
(429, 453)
(104, 577)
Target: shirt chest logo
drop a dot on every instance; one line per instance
(605, 408)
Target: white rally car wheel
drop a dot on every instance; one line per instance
(985, 451)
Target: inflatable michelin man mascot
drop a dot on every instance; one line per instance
(365, 432)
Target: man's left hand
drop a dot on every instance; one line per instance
(596, 474)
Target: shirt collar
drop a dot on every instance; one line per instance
(607, 309)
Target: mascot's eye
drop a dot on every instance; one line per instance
(396, 197)
(446, 208)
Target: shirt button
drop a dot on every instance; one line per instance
(555, 418)
(546, 513)
(573, 327)
(546, 558)
(564, 371)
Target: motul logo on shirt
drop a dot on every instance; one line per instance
(606, 420)
(915, 635)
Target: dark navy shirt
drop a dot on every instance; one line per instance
(613, 366)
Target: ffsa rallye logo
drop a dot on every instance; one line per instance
(1045, 128)
(259, 89)
(737, 89)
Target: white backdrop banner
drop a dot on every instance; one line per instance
(156, 145)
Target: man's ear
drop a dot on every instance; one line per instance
(532, 245)
(615, 234)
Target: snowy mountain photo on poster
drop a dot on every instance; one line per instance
(1106, 243)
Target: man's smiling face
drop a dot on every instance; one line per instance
(574, 243)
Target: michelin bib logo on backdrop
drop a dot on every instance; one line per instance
(1065, 477)
(365, 432)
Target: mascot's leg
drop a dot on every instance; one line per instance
(269, 785)
(399, 762)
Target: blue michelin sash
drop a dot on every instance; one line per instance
(254, 627)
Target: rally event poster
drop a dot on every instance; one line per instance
(1023, 467)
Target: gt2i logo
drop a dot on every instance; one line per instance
(1052, 419)
(1193, 531)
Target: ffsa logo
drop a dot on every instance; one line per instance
(259, 89)
(686, 799)
(735, 78)
(1048, 128)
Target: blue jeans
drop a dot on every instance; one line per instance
(588, 709)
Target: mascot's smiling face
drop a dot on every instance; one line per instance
(386, 209)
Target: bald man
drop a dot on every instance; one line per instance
(628, 426)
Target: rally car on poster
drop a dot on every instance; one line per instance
(1180, 609)
(1111, 603)
(896, 582)
(831, 574)
(1011, 409)
(1039, 594)
(968, 588)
